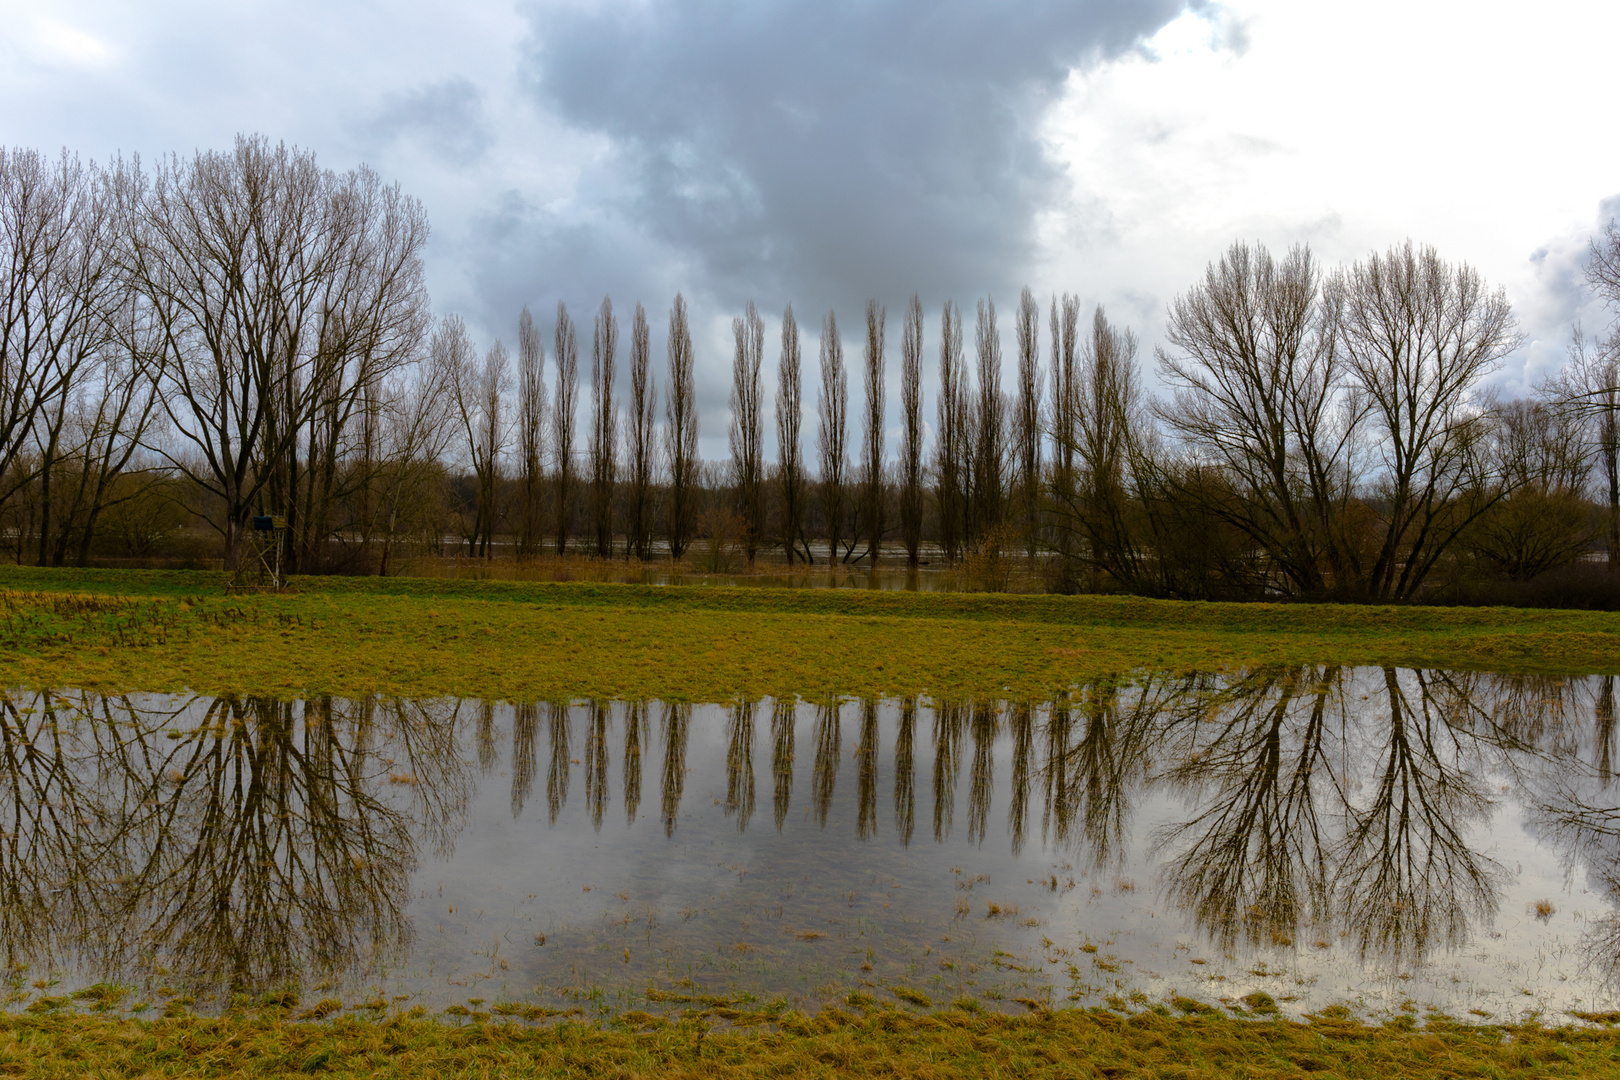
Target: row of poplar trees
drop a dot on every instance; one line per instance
(1326, 432)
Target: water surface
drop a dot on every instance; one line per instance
(1383, 838)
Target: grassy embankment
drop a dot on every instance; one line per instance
(149, 630)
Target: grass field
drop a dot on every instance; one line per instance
(881, 1042)
(154, 630)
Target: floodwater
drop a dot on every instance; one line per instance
(1390, 840)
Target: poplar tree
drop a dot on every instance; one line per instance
(681, 431)
(604, 426)
(1027, 456)
(951, 444)
(747, 433)
(833, 407)
(789, 415)
(531, 423)
(911, 436)
(990, 427)
(643, 402)
(566, 344)
(872, 487)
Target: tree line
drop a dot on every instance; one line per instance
(244, 333)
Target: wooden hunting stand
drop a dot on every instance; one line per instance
(262, 572)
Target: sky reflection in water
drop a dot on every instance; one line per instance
(1376, 837)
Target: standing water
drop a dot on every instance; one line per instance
(1383, 839)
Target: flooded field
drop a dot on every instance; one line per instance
(1385, 839)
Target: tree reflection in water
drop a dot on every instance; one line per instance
(1021, 726)
(1097, 744)
(1406, 878)
(982, 782)
(525, 726)
(1577, 812)
(249, 843)
(677, 730)
(557, 772)
(829, 746)
(783, 725)
(948, 721)
(1249, 864)
(596, 761)
(242, 843)
(740, 761)
(905, 790)
(637, 726)
(866, 756)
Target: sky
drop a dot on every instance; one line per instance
(822, 152)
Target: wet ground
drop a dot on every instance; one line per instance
(1385, 839)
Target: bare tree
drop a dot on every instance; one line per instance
(833, 409)
(477, 391)
(566, 349)
(1603, 266)
(415, 429)
(1594, 382)
(1589, 387)
(1027, 457)
(747, 431)
(1110, 427)
(1063, 329)
(911, 427)
(281, 292)
(643, 406)
(1541, 454)
(1419, 334)
(88, 440)
(1065, 332)
(872, 486)
(952, 446)
(990, 447)
(604, 426)
(682, 431)
(58, 298)
(97, 444)
(789, 415)
(531, 424)
(1258, 388)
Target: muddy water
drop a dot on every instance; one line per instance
(1386, 839)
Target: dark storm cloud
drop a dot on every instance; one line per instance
(446, 118)
(821, 151)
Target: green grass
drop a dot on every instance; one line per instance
(885, 1042)
(153, 630)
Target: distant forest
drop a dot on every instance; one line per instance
(216, 338)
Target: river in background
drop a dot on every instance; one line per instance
(1385, 839)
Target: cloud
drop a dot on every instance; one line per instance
(1554, 296)
(445, 117)
(805, 150)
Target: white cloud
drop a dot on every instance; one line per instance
(1472, 127)
(53, 43)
